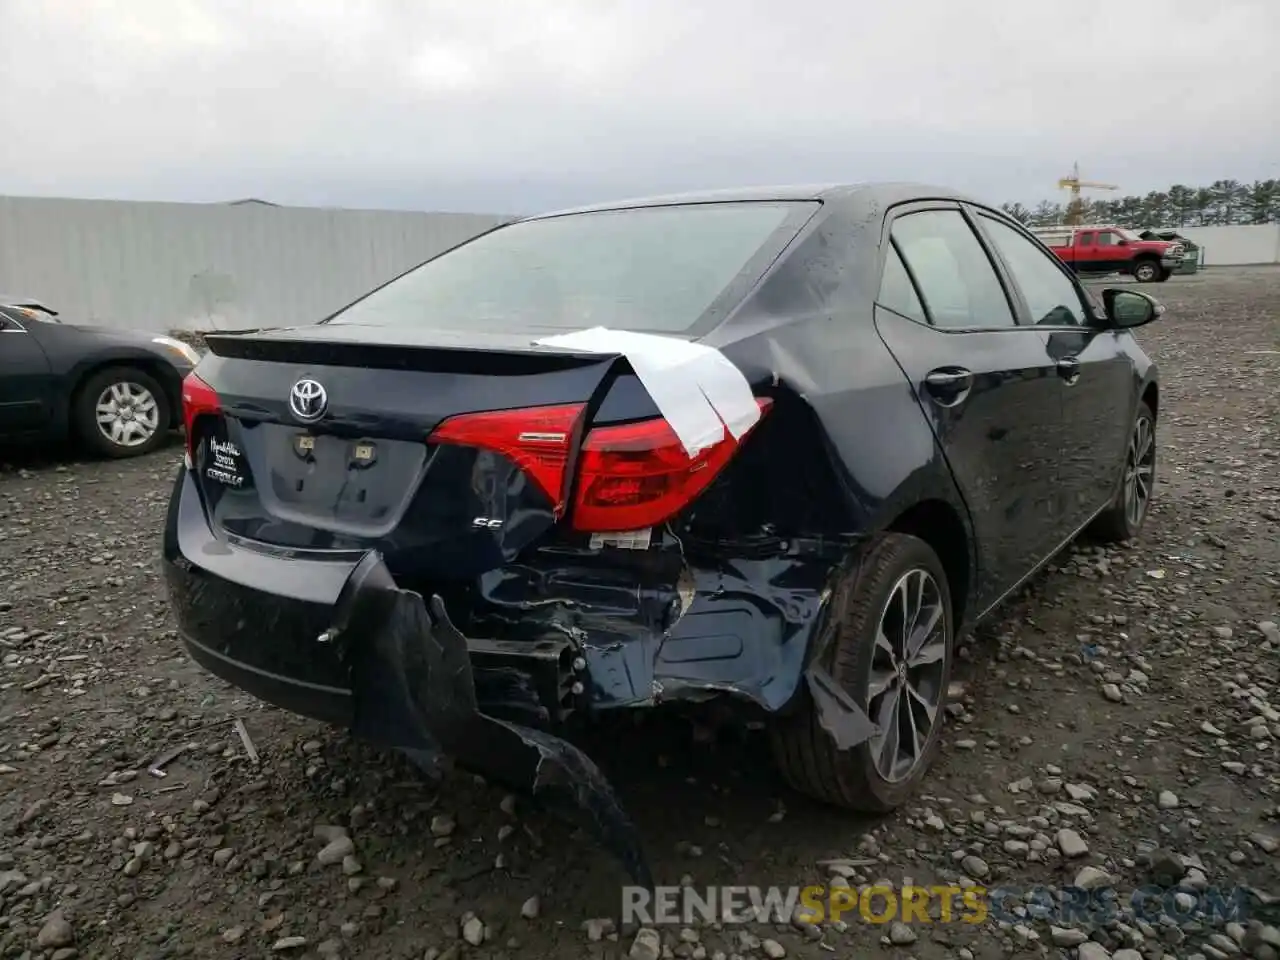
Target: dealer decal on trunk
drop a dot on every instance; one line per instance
(226, 467)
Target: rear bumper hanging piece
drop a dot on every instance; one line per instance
(413, 687)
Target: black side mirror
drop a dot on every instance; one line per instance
(1122, 243)
(1128, 308)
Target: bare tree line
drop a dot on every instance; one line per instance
(1221, 203)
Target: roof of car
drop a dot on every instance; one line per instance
(870, 195)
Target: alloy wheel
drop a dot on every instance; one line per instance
(905, 688)
(127, 414)
(1145, 272)
(1139, 472)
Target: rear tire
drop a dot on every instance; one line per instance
(1119, 522)
(861, 608)
(1146, 271)
(121, 412)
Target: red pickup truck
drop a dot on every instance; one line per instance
(1105, 248)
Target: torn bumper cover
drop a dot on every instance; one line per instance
(411, 684)
(336, 639)
(414, 687)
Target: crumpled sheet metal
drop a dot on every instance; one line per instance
(413, 688)
(747, 633)
(764, 604)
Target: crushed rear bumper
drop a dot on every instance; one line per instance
(338, 641)
(333, 637)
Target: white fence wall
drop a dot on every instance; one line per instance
(1236, 245)
(165, 266)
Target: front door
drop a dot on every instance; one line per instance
(1092, 372)
(25, 384)
(987, 384)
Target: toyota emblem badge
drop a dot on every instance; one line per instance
(308, 400)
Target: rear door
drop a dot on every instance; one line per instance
(987, 384)
(1095, 375)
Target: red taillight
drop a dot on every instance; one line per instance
(198, 399)
(629, 477)
(536, 439)
(638, 475)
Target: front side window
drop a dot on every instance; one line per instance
(656, 269)
(1049, 292)
(1106, 239)
(957, 282)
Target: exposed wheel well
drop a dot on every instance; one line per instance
(1151, 397)
(938, 524)
(153, 368)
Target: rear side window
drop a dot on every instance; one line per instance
(957, 282)
(658, 269)
(1086, 240)
(897, 292)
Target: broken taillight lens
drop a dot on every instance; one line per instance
(638, 475)
(198, 399)
(536, 439)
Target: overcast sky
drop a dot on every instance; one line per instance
(524, 105)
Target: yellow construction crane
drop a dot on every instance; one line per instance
(1075, 207)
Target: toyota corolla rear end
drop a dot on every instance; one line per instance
(280, 504)
(449, 534)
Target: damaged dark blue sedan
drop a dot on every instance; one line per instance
(776, 448)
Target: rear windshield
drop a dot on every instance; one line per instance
(666, 269)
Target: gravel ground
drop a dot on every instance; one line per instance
(1115, 725)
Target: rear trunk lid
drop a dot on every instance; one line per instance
(323, 441)
(450, 452)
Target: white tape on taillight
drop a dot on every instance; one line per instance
(698, 391)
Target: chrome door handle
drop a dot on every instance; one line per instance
(948, 386)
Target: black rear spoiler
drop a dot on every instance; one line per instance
(426, 357)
